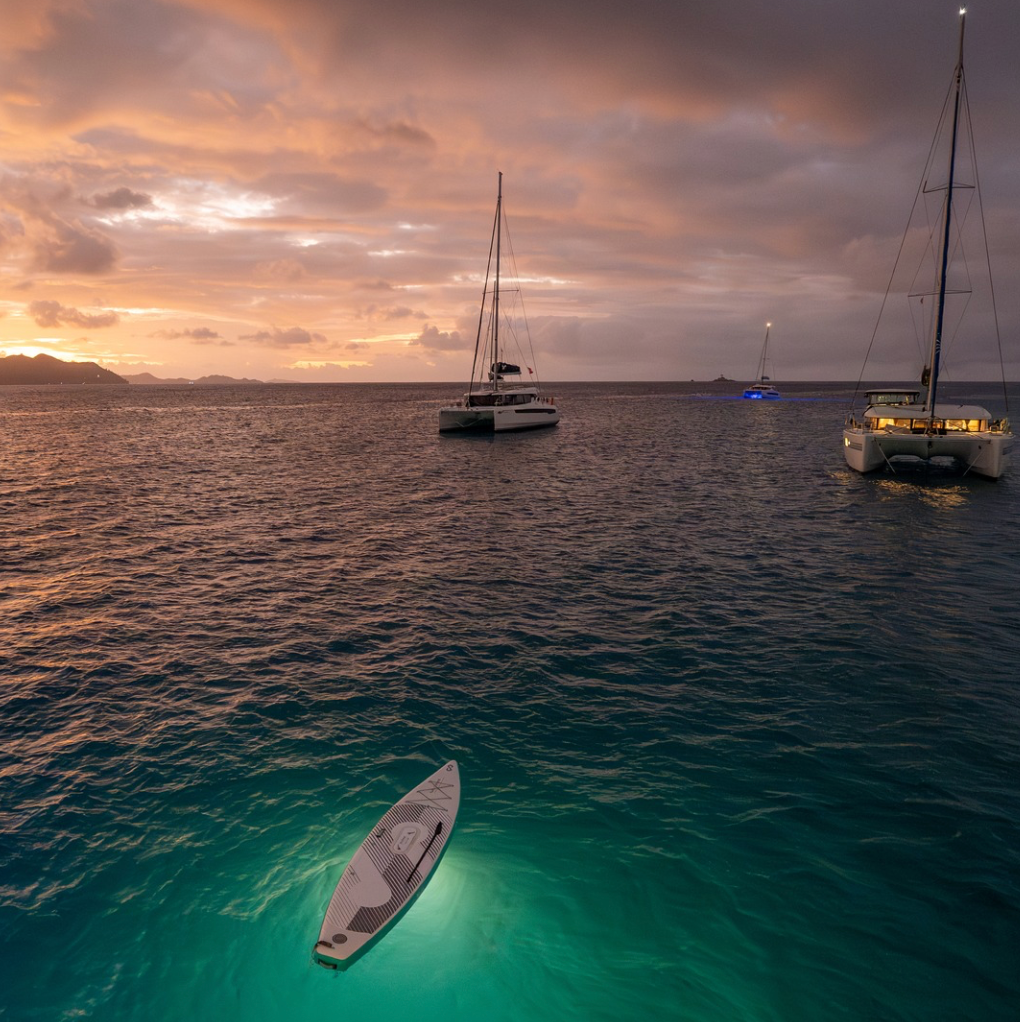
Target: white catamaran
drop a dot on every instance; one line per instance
(762, 389)
(497, 401)
(898, 423)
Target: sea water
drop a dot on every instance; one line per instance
(737, 727)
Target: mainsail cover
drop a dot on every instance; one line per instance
(501, 369)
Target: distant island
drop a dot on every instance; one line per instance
(147, 379)
(723, 379)
(18, 370)
(45, 369)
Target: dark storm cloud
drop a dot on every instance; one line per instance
(841, 65)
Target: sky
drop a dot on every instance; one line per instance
(305, 190)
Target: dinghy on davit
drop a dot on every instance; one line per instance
(390, 869)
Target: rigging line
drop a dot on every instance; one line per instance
(918, 195)
(485, 291)
(515, 274)
(533, 368)
(524, 315)
(988, 257)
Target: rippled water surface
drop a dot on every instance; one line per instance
(738, 728)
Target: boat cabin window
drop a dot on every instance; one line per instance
(938, 425)
(892, 397)
(503, 399)
(966, 425)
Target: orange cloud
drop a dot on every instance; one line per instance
(49, 314)
(245, 163)
(291, 338)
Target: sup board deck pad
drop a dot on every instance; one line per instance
(390, 868)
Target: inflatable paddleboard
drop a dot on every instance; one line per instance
(390, 868)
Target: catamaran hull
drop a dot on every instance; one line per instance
(497, 420)
(981, 453)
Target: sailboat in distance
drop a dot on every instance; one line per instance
(497, 400)
(899, 424)
(762, 389)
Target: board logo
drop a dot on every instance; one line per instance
(436, 790)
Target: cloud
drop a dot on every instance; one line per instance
(200, 335)
(203, 335)
(50, 314)
(401, 312)
(37, 226)
(434, 339)
(280, 270)
(312, 194)
(90, 58)
(69, 247)
(692, 60)
(672, 179)
(292, 338)
(120, 198)
(393, 312)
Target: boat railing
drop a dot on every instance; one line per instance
(473, 402)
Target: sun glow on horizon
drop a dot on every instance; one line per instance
(44, 346)
(384, 338)
(327, 364)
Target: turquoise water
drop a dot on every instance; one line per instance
(738, 728)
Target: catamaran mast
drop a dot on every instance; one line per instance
(936, 346)
(495, 294)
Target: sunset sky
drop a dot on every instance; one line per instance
(304, 190)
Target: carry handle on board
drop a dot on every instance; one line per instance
(435, 834)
